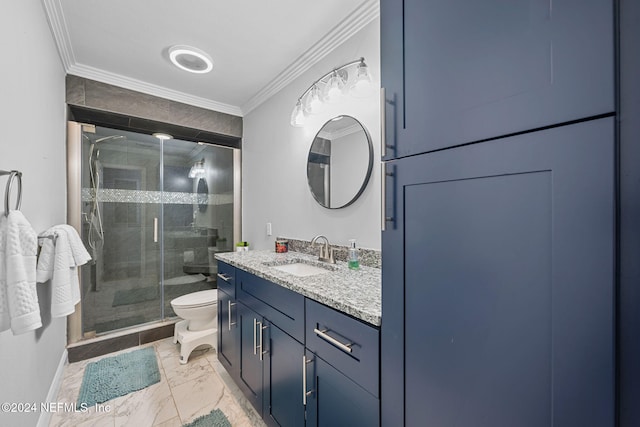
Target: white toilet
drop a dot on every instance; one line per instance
(199, 327)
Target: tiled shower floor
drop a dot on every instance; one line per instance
(184, 393)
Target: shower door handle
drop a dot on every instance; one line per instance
(155, 230)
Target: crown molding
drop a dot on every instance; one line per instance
(356, 127)
(360, 17)
(119, 80)
(55, 16)
(58, 27)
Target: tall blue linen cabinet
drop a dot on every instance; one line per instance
(499, 213)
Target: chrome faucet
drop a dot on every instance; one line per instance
(326, 253)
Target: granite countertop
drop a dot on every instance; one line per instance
(355, 292)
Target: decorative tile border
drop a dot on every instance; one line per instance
(111, 195)
(368, 257)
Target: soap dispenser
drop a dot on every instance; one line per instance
(352, 259)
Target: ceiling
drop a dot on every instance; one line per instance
(257, 46)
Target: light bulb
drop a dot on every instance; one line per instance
(314, 104)
(362, 87)
(297, 115)
(333, 91)
(197, 170)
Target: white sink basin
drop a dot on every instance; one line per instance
(300, 269)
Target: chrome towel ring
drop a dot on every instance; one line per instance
(7, 193)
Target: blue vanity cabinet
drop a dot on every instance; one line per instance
(271, 319)
(281, 306)
(498, 283)
(270, 370)
(251, 379)
(342, 369)
(459, 71)
(287, 343)
(228, 331)
(336, 400)
(282, 404)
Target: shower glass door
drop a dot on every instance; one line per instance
(198, 212)
(154, 213)
(121, 217)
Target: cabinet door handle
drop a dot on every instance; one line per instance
(383, 197)
(261, 340)
(323, 334)
(155, 230)
(224, 277)
(229, 305)
(383, 123)
(255, 339)
(305, 393)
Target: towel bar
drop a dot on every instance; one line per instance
(7, 193)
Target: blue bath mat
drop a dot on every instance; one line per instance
(116, 376)
(215, 418)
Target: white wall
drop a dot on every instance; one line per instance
(33, 141)
(274, 158)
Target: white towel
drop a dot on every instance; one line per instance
(19, 309)
(58, 262)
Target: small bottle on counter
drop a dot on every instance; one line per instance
(352, 258)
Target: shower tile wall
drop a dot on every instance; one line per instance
(100, 96)
(123, 226)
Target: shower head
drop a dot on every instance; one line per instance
(108, 138)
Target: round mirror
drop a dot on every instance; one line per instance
(203, 195)
(340, 162)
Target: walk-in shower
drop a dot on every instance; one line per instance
(152, 213)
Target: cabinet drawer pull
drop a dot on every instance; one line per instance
(229, 305)
(305, 393)
(224, 277)
(323, 334)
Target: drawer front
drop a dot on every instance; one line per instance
(226, 279)
(279, 305)
(349, 345)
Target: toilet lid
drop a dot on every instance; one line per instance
(197, 299)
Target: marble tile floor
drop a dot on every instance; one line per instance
(184, 393)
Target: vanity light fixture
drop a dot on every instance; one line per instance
(362, 87)
(314, 104)
(190, 59)
(331, 88)
(333, 91)
(197, 170)
(297, 115)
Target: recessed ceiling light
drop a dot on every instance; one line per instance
(190, 59)
(162, 136)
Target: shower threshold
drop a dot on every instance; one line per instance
(121, 339)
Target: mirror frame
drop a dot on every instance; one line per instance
(367, 177)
